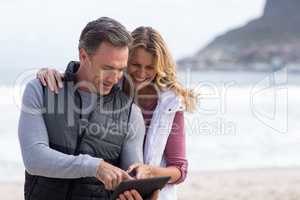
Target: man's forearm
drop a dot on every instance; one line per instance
(40, 159)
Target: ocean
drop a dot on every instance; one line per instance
(243, 120)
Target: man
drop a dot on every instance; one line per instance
(74, 142)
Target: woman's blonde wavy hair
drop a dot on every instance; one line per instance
(150, 39)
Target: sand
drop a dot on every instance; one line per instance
(258, 184)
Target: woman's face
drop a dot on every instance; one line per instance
(141, 68)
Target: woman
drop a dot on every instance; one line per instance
(151, 72)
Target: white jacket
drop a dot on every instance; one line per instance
(161, 124)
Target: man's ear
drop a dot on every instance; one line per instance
(83, 56)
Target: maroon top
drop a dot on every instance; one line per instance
(175, 148)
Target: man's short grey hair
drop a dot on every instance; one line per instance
(101, 30)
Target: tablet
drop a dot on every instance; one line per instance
(144, 186)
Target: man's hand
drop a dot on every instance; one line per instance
(110, 175)
(134, 195)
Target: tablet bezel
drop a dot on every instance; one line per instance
(144, 186)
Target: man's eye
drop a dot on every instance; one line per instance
(135, 64)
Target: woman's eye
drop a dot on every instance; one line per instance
(149, 67)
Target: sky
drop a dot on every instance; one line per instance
(39, 33)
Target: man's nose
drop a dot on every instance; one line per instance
(115, 77)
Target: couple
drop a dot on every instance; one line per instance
(83, 132)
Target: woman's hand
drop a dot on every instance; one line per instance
(51, 78)
(141, 170)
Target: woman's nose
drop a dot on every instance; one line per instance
(142, 72)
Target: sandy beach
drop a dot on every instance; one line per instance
(258, 184)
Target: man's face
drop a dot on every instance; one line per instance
(105, 67)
